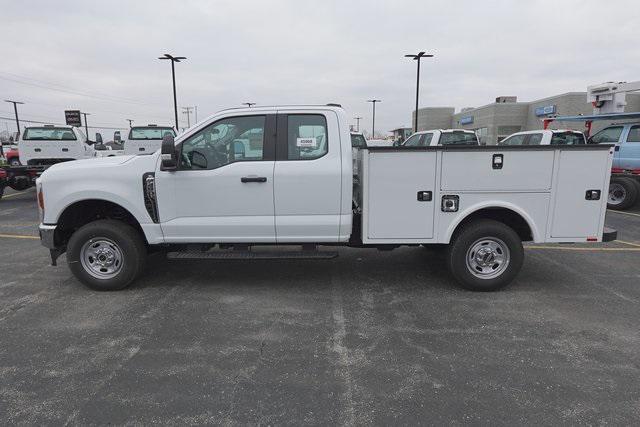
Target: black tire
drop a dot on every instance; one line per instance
(473, 235)
(623, 193)
(14, 162)
(115, 237)
(1, 190)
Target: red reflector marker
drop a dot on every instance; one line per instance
(592, 239)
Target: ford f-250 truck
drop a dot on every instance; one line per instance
(199, 197)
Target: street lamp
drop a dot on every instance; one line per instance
(357, 119)
(86, 127)
(249, 104)
(173, 60)
(417, 58)
(15, 110)
(373, 125)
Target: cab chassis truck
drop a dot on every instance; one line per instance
(199, 198)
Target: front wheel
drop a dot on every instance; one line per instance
(485, 255)
(106, 255)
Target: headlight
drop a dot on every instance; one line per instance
(40, 201)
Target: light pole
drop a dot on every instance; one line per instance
(249, 104)
(357, 119)
(86, 127)
(173, 60)
(196, 110)
(417, 58)
(373, 125)
(130, 121)
(15, 110)
(187, 111)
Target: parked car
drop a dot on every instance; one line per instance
(624, 190)
(545, 137)
(146, 139)
(197, 192)
(435, 137)
(49, 144)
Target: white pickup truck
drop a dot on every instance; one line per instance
(436, 137)
(146, 139)
(49, 144)
(199, 198)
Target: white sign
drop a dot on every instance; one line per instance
(306, 142)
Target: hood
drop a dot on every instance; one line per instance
(98, 166)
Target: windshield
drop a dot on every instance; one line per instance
(49, 134)
(358, 141)
(567, 138)
(151, 132)
(458, 138)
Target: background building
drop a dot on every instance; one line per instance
(402, 133)
(493, 122)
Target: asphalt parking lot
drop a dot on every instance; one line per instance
(371, 337)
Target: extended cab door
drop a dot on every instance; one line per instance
(629, 153)
(307, 177)
(223, 188)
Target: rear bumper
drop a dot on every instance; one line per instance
(47, 233)
(609, 234)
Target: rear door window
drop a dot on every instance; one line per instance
(567, 138)
(48, 134)
(634, 134)
(534, 139)
(306, 136)
(458, 138)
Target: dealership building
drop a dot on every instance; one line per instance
(493, 122)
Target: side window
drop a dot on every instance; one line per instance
(413, 141)
(607, 136)
(514, 140)
(306, 136)
(426, 141)
(634, 134)
(229, 140)
(535, 139)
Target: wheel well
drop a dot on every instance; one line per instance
(86, 211)
(503, 215)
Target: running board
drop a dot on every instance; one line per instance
(230, 255)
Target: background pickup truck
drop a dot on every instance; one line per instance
(441, 137)
(199, 197)
(146, 139)
(49, 144)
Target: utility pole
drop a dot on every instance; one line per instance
(187, 111)
(357, 119)
(173, 60)
(86, 127)
(15, 110)
(196, 110)
(249, 104)
(417, 58)
(373, 125)
(130, 121)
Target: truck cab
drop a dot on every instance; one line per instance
(146, 139)
(49, 144)
(626, 137)
(435, 137)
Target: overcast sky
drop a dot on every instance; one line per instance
(100, 57)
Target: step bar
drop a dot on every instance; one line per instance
(223, 254)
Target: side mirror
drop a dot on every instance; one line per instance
(168, 154)
(98, 138)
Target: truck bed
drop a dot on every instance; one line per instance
(546, 185)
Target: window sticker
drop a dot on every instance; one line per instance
(306, 142)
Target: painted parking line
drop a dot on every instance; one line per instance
(6, 196)
(565, 248)
(18, 236)
(624, 213)
(637, 245)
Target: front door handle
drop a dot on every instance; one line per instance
(253, 179)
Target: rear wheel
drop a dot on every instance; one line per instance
(623, 193)
(485, 255)
(14, 161)
(106, 255)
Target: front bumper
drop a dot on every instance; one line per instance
(46, 235)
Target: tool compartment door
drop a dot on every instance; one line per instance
(394, 181)
(574, 216)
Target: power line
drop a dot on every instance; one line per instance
(62, 124)
(74, 92)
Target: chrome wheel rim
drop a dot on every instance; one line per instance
(617, 194)
(488, 258)
(101, 258)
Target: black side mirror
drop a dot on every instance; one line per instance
(98, 138)
(168, 154)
